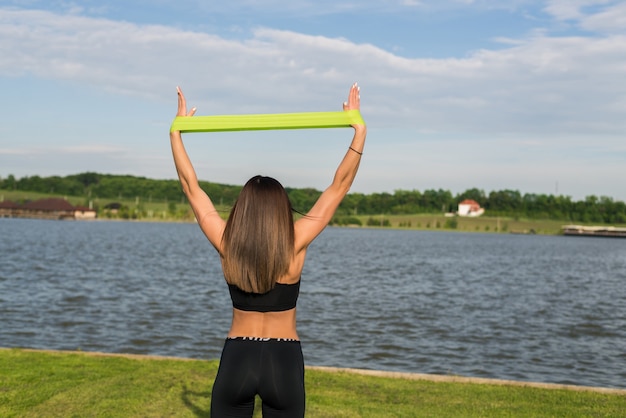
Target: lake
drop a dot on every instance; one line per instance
(522, 307)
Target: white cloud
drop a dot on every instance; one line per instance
(88, 149)
(410, 3)
(569, 79)
(570, 9)
(554, 95)
(600, 16)
(610, 20)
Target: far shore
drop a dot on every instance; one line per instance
(415, 222)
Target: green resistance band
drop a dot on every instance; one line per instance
(307, 120)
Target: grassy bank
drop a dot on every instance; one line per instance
(485, 224)
(66, 384)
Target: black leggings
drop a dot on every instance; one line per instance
(271, 368)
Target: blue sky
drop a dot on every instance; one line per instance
(518, 94)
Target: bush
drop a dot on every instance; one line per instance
(378, 222)
(451, 223)
(347, 221)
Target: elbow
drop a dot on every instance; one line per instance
(188, 188)
(342, 186)
(344, 179)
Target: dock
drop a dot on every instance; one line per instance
(594, 231)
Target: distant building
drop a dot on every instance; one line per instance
(113, 207)
(594, 231)
(52, 208)
(470, 207)
(6, 208)
(81, 212)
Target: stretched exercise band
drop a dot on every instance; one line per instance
(305, 120)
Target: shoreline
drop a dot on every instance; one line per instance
(366, 372)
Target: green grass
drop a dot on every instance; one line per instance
(488, 224)
(70, 384)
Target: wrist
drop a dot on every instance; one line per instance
(359, 128)
(351, 148)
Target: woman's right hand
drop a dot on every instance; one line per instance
(182, 105)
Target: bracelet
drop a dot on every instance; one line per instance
(352, 149)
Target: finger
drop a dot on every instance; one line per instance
(347, 105)
(354, 96)
(351, 95)
(192, 112)
(182, 105)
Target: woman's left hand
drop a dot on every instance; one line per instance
(182, 105)
(354, 98)
(354, 103)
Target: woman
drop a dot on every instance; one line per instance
(262, 252)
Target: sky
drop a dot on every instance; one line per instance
(522, 95)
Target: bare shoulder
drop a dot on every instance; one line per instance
(295, 268)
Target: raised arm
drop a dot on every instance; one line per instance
(311, 225)
(208, 219)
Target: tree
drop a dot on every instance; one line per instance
(474, 194)
(9, 183)
(499, 203)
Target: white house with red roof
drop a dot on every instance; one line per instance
(470, 207)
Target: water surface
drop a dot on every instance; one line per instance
(535, 308)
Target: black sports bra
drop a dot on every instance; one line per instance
(282, 297)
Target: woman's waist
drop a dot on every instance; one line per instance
(263, 324)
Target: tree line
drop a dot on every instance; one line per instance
(506, 203)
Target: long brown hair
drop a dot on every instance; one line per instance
(258, 241)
